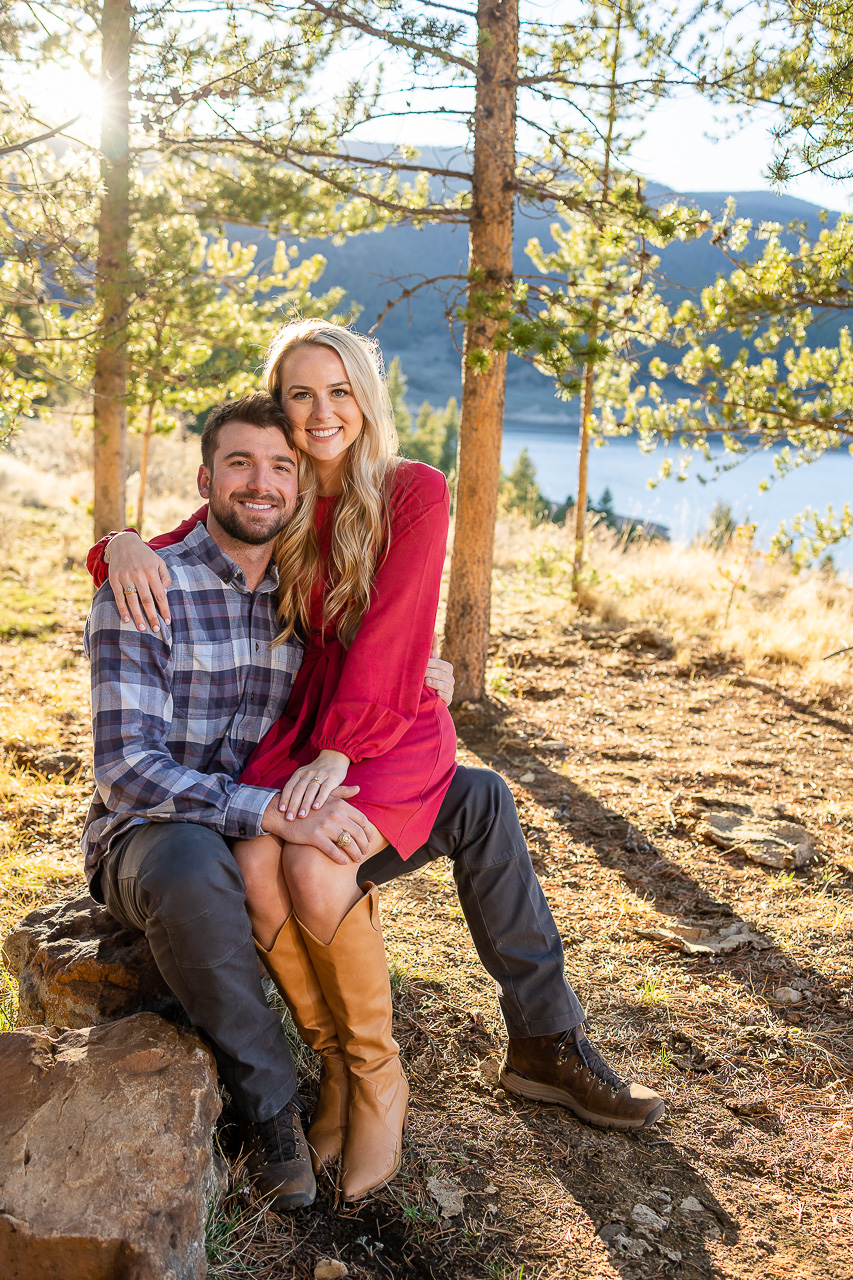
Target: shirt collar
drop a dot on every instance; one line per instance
(207, 552)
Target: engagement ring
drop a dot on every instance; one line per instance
(344, 839)
(129, 591)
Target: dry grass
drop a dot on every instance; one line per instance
(735, 601)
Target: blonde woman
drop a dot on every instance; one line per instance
(359, 571)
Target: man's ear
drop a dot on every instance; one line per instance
(203, 482)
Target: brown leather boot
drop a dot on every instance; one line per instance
(568, 1070)
(277, 1159)
(290, 968)
(353, 973)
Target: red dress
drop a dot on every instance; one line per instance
(370, 701)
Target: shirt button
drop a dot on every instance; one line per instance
(242, 831)
(257, 648)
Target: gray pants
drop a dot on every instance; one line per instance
(179, 884)
(502, 901)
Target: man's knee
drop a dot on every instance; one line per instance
(188, 870)
(486, 818)
(477, 797)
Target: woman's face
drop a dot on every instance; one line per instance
(318, 399)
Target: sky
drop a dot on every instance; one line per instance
(687, 144)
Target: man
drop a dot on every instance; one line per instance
(177, 711)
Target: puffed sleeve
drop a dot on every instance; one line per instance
(382, 679)
(100, 570)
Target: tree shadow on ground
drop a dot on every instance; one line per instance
(621, 846)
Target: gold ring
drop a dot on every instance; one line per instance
(343, 840)
(316, 779)
(129, 591)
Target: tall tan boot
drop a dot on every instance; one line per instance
(353, 973)
(290, 968)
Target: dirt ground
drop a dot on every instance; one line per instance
(606, 739)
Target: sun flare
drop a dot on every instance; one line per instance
(58, 94)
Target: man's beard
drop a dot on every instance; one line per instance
(240, 526)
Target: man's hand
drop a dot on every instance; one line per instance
(439, 674)
(322, 827)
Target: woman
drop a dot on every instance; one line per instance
(359, 567)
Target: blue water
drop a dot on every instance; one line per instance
(684, 507)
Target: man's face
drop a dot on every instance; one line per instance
(252, 485)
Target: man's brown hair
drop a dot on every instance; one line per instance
(258, 410)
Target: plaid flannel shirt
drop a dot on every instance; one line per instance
(175, 715)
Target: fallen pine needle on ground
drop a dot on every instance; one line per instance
(608, 723)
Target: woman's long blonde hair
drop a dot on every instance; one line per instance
(361, 522)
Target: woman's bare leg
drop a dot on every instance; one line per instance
(267, 899)
(322, 891)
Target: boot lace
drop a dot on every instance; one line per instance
(277, 1139)
(570, 1042)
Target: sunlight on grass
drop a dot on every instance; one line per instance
(775, 620)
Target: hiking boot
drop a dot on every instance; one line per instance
(278, 1159)
(568, 1070)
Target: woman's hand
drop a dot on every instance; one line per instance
(139, 580)
(310, 786)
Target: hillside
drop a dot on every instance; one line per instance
(374, 267)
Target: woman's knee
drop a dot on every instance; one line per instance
(317, 885)
(259, 862)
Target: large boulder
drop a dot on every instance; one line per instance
(106, 1163)
(77, 967)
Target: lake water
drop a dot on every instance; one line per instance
(683, 506)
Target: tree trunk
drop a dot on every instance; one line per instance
(143, 464)
(592, 335)
(583, 458)
(112, 282)
(466, 640)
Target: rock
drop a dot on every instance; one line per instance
(330, 1269)
(787, 995)
(643, 1216)
(447, 1195)
(77, 967)
(530, 776)
(633, 1248)
(646, 638)
(611, 1230)
(106, 1162)
(691, 1205)
(697, 940)
(488, 1072)
(43, 759)
(767, 836)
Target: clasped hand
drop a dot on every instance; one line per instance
(310, 786)
(323, 828)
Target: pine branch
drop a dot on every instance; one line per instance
(401, 42)
(42, 137)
